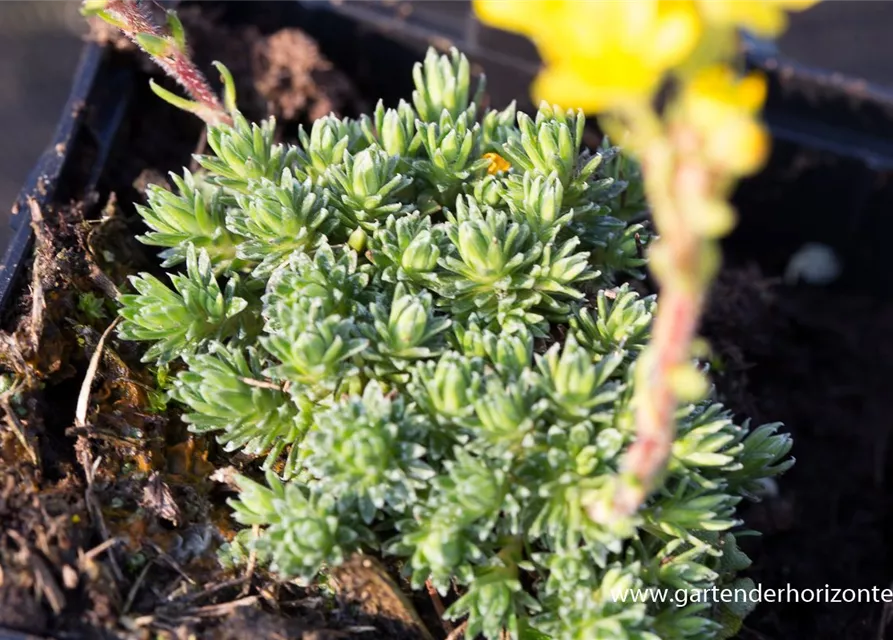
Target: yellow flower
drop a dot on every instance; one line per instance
(765, 18)
(724, 108)
(498, 164)
(598, 53)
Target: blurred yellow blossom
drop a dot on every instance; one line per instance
(599, 53)
(498, 164)
(611, 56)
(723, 108)
(764, 18)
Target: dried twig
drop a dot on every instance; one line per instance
(458, 632)
(262, 384)
(131, 595)
(38, 303)
(102, 546)
(438, 606)
(215, 610)
(50, 588)
(16, 426)
(80, 416)
(173, 563)
(95, 510)
(89, 465)
(252, 562)
(209, 591)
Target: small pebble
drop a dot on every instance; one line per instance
(815, 264)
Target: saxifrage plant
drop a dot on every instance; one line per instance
(421, 320)
(667, 76)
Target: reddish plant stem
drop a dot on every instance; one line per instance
(677, 180)
(674, 330)
(439, 609)
(175, 61)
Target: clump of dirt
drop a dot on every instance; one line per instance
(821, 362)
(295, 79)
(282, 73)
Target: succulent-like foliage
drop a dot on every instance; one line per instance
(407, 249)
(627, 195)
(403, 331)
(328, 140)
(423, 324)
(279, 218)
(367, 187)
(244, 152)
(313, 350)
(443, 84)
(497, 128)
(551, 143)
(329, 277)
(302, 534)
(453, 155)
(196, 216)
(621, 321)
(365, 451)
(186, 320)
(224, 392)
(394, 130)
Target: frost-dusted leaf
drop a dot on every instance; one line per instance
(188, 318)
(194, 216)
(227, 394)
(277, 219)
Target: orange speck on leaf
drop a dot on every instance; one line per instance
(497, 163)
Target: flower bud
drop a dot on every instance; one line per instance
(357, 240)
(408, 321)
(421, 255)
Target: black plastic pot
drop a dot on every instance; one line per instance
(828, 179)
(72, 164)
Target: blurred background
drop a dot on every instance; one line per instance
(40, 42)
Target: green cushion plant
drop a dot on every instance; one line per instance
(422, 322)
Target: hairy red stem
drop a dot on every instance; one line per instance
(678, 181)
(175, 62)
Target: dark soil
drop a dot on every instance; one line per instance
(821, 362)
(127, 550)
